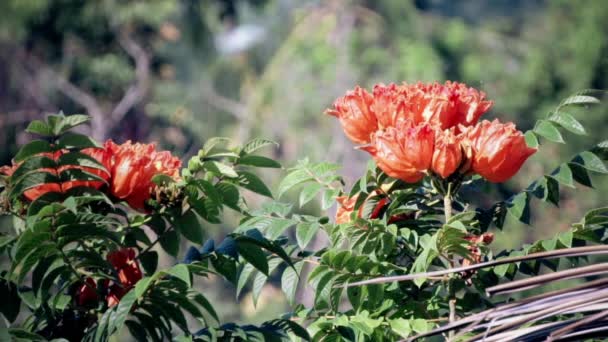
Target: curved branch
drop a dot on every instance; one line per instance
(138, 90)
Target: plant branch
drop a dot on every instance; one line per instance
(232, 107)
(566, 252)
(139, 89)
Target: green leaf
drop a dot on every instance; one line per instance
(258, 284)
(80, 159)
(290, 280)
(294, 178)
(252, 182)
(401, 326)
(79, 175)
(328, 198)
(579, 99)
(220, 169)
(230, 195)
(78, 141)
(32, 148)
(547, 130)
(170, 242)
(531, 139)
(258, 161)
(40, 128)
(181, 272)
(189, 226)
(244, 276)
(591, 162)
(11, 302)
(278, 226)
(25, 335)
(84, 231)
(563, 174)
(580, 174)
(149, 261)
(309, 192)
(305, 231)
(519, 207)
(117, 320)
(253, 254)
(69, 122)
(420, 325)
(568, 122)
(565, 238)
(31, 239)
(33, 163)
(211, 143)
(256, 144)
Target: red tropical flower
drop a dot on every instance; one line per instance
(33, 193)
(345, 208)
(132, 167)
(392, 104)
(499, 150)
(127, 268)
(86, 293)
(448, 154)
(355, 114)
(475, 242)
(115, 294)
(447, 105)
(404, 151)
(347, 205)
(128, 272)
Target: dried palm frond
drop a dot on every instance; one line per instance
(571, 314)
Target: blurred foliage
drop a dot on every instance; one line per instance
(244, 68)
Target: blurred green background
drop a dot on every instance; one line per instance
(179, 72)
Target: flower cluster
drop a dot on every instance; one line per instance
(128, 272)
(129, 172)
(414, 129)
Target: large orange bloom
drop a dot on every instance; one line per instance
(404, 151)
(354, 112)
(132, 168)
(33, 193)
(499, 150)
(392, 103)
(448, 154)
(447, 105)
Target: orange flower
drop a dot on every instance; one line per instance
(132, 168)
(347, 205)
(392, 104)
(476, 241)
(447, 105)
(128, 272)
(499, 150)
(127, 268)
(448, 154)
(345, 208)
(115, 294)
(33, 193)
(354, 112)
(404, 151)
(86, 293)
